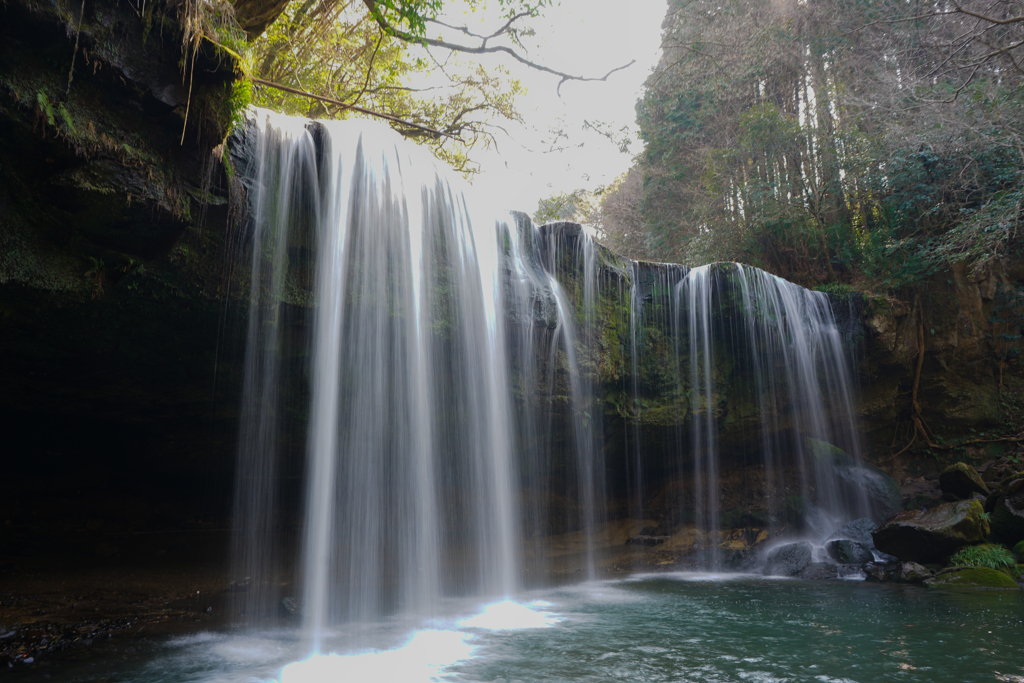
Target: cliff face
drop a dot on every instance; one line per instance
(113, 219)
(121, 320)
(959, 337)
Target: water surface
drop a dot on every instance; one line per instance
(675, 627)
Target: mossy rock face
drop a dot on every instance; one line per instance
(932, 535)
(972, 577)
(1018, 550)
(962, 481)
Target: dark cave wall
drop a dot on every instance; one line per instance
(118, 331)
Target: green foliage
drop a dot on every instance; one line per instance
(772, 137)
(412, 16)
(566, 206)
(835, 289)
(44, 107)
(985, 555)
(341, 53)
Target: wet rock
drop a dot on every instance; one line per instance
(932, 535)
(788, 560)
(858, 530)
(962, 481)
(849, 552)
(819, 571)
(876, 572)
(911, 572)
(1008, 512)
(972, 577)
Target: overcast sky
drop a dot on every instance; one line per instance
(584, 37)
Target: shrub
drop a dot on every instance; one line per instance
(985, 555)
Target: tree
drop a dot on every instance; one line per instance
(833, 140)
(567, 206)
(335, 58)
(617, 218)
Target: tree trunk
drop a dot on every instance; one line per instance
(254, 16)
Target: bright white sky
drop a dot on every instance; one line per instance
(580, 37)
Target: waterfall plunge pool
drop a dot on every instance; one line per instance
(666, 627)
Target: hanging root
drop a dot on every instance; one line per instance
(920, 428)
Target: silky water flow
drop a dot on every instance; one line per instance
(438, 376)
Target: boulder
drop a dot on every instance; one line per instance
(1000, 489)
(819, 571)
(876, 572)
(849, 552)
(858, 530)
(1018, 551)
(911, 572)
(788, 560)
(962, 481)
(932, 535)
(971, 577)
(1008, 513)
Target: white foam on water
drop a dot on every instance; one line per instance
(508, 615)
(424, 657)
(696, 577)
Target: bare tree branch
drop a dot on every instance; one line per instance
(483, 48)
(991, 20)
(465, 29)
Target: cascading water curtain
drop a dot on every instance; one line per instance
(410, 452)
(282, 167)
(750, 338)
(440, 361)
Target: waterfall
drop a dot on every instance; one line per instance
(444, 401)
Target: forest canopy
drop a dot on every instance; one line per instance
(829, 140)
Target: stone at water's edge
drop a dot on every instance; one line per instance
(1008, 512)
(876, 572)
(971, 577)
(819, 571)
(849, 552)
(788, 560)
(932, 535)
(858, 530)
(961, 481)
(911, 572)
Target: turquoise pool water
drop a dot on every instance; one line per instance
(674, 627)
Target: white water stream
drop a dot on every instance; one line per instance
(453, 380)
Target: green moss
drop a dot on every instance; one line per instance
(972, 577)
